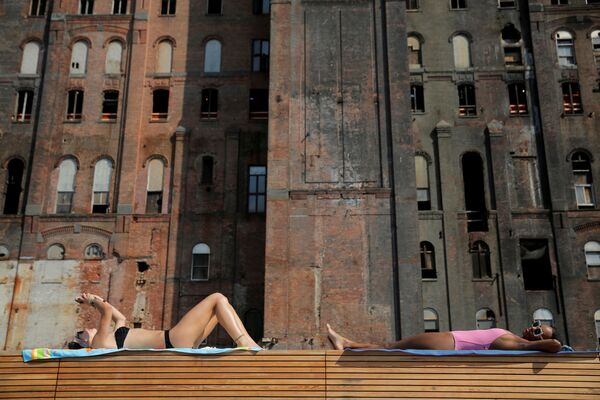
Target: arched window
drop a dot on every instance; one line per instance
(431, 320)
(154, 189)
(56, 252)
(31, 55)
(102, 174)
(485, 319)
(582, 175)
(93, 251)
(511, 43)
(114, 54)
(565, 49)
(14, 181)
(474, 186)
(462, 51)
(415, 54)
(79, 57)
(597, 323)
(544, 316)
(200, 262)
(467, 104)
(428, 270)
(164, 57)
(423, 191)
(212, 56)
(66, 186)
(480, 258)
(4, 252)
(592, 259)
(596, 46)
(209, 105)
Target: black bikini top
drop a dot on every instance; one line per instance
(120, 335)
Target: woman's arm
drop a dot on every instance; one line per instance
(117, 317)
(516, 343)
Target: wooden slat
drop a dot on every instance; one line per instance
(19, 380)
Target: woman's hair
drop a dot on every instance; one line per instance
(74, 345)
(77, 342)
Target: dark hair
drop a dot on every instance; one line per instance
(555, 333)
(74, 346)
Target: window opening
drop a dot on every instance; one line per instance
(260, 55)
(79, 58)
(38, 8)
(110, 105)
(462, 52)
(428, 269)
(86, 6)
(571, 98)
(544, 316)
(93, 251)
(24, 106)
(458, 4)
(212, 56)
(261, 7)
(4, 252)
(207, 170)
(29, 62)
(535, 262)
(160, 104)
(480, 258)
(154, 188)
(517, 96)
(200, 262)
(168, 7)
(165, 56)
(102, 175)
(14, 188)
(214, 7)
(485, 319)
(119, 7)
(474, 187)
(431, 320)
(259, 103)
(596, 47)
(412, 4)
(565, 47)
(55, 252)
(113, 58)
(209, 106)
(66, 186)
(597, 324)
(75, 105)
(423, 191)
(559, 2)
(511, 43)
(507, 3)
(257, 189)
(582, 174)
(414, 52)
(467, 105)
(417, 99)
(592, 259)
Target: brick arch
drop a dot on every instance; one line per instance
(67, 156)
(101, 157)
(163, 38)
(580, 150)
(13, 157)
(37, 40)
(80, 38)
(115, 38)
(156, 157)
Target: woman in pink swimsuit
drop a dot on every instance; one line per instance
(541, 338)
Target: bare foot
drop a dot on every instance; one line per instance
(339, 342)
(246, 341)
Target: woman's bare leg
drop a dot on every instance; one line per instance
(423, 341)
(201, 320)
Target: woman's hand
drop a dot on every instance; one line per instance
(88, 298)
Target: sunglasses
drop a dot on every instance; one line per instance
(537, 328)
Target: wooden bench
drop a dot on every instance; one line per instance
(302, 375)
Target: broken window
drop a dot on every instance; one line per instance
(414, 52)
(113, 58)
(160, 104)
(582, 175)
(257, 189)
(102, 175)
(467, 105)
(535, 262)
(74, 105)
(79, 58)
(462, 51)
(260, 55)
(480, 259)
(417, 99)
(458, 4)
(55, 252)
(13, 188)
(86, 6)
(592, 259)
(164, 57)
(261, 7)
(423, 192)
(571, 98)
(38, 8)
(215, 7)
(31, 54)
(511, 43)
(517, 97)
(24, 106)
(209, 105)
(412, 4)
(93, 251)
(485, 319)
(66, 186)
(474, 187)
(110, 105)
(544, 316)
(154, 188)
(207, 170)
(596, 46)
(212, 56)
(507, 3)
(259, 103)
(565, 47)
(119, 7)
(168, 7)
(200, 262)
(428, 270)
(431, 320)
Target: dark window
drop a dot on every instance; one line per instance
(259, 103)
(593, 1)
(260, 55)
(261, 7)
(474, 186)
(466, 100)
(257, 189)
(517, 96)
(571, 98)
(160, 104)
(428, 270)
(480, 258)
(511, 41)
(512, 56)
(168, 7)
(110, 105)
(458, 4)
(412, 4)
(74, 105)
(507, 3)
(13, 186)
(200, 265)
(582, 175)
(535, 262)
(154, 202)
(417, 99)
(209, 105)
(559, 2)
(86, 6)
(214, 7)
(119, 7)
(207, 170)
(38, 8)
(24, 106)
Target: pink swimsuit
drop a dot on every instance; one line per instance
(480, 339)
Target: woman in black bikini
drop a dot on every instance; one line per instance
(190, 331)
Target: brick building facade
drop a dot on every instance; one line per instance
(134, 152)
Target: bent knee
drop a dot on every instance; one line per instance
(218, 297)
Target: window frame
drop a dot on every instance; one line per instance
(255, 196)
(75, 99)
(428, 262)
(23, 106)
(260, 56)
(417, 98)
(520, 90)
(209, 104)
(40, 8)
(481, 260)
(465, 109)
(160, 113)
(587, 175)
(205, 252)
(168, 8)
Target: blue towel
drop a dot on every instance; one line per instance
(466, 352)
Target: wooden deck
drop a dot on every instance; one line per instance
(302, 375)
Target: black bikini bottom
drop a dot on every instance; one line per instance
(168, 344)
